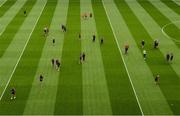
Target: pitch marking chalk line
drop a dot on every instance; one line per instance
(123, 61)
(21, 54)
(165, 34)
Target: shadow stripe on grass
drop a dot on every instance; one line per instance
(172, 30)
(25, 72)
(5, 6)
(2, 2)
(42, 102)
(121, 94)
(96, 99)
(69, 94)
(14, 26)
(169, 81)
(171, 4)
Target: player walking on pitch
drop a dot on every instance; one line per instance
(172, 57)
(53, 41)
(102, 40)
(142, 43)
(167, 57)
(144, 54)
(157, 79)
(13, 93)
(94, 38)
(126, 48)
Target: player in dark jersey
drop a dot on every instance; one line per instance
(156, 43)
(79, 35)
(63, 27)
(172, 57)
(46, 31)
(90, 15)
(80, 59)
(54, 41)
(25, 13)
(41, 78)
(167, 57)
(53, 62)
(126, 48)
(144, 54)
(94, 38)
(13, 93)
(142, 43)
(102, 40)
(157, 79)
(58, 65)
(83, 56)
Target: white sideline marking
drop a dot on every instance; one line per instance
(165, 34)
(124, 61)
(21, 54)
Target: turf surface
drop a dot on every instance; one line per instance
(5, 6)
(13, 27)
(69, 94)
(168, 85)
(109, 82)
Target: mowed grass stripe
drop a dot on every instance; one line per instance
(10, 14)
(5, 6)
(11, 57)
(25, 72)
(171, 4)
(2, 2)
(142, 76)
(96, 99)
(169, 82)
(177, 2)
(121, 94)
(166, 40)
(69, 99)
(161, 20)
(14, 26)
(155, 32)
(40, 101)
(171, 15)
(166, 11)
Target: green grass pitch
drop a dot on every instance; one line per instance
(108, 82)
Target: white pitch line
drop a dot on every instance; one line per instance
(2, 31)
(123, 60)
(21, 55)
(165, 34)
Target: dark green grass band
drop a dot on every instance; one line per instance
(169, 81)
(172, 30)
(171, 4)
(69, 95)
(13, 27)
(26, 70)
(6, 6)
(121, 94)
